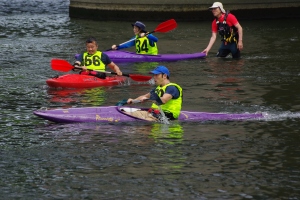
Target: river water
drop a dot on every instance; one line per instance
(257, 159)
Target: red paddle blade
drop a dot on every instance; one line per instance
(61, 65)
(166, 26)
(137, 77)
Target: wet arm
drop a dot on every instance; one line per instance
(140, 98)
(78, 63)
(240, 32)
(115, 68)
(166, 97)
(131, 43)
(211, 43)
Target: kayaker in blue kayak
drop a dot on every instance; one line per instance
(93, 60)
(229, 29)
(144, 43)
(167, 95)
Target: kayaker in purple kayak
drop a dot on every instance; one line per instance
(144, 43)
(167, 95)
(93, 60)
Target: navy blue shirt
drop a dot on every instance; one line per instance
(172, 90)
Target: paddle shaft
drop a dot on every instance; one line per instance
(106, 72)
(135, 38)
(124, 102)
(114, 73)
(133, 76)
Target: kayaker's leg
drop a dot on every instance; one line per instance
(143, 115)
(157, 114)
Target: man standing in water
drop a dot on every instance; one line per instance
(230, 30)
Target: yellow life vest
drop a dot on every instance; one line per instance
(93, 62)
(173, 105)
(143, 46)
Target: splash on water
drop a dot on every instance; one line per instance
(162, 117)
(280, 116)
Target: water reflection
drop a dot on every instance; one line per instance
(145, 67)
(169, 134)
(155, 132)
(226, 77)
(91, 96)
(161, 143)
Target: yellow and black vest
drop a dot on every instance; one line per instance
(93, 62)
(144, 46)
(173, 105)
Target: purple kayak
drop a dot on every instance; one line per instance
(126, 57)
(123, 114)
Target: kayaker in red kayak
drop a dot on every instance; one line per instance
(92, 60)
(167, 95)
(144, 43)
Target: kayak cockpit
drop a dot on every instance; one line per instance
(137, 113)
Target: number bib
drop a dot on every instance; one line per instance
(144, 46)
(93, 62)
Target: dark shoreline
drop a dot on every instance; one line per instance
(197, 12)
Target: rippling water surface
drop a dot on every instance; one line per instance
(256, 159)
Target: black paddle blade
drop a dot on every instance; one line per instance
(122, 102)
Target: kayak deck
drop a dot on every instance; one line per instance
(83, 81)
(116, 114)
(119, 56)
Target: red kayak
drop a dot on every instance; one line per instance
(84, 81)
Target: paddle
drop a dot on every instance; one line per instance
(124, 102)
(65, 66)
(161, 28)
(153, 96)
